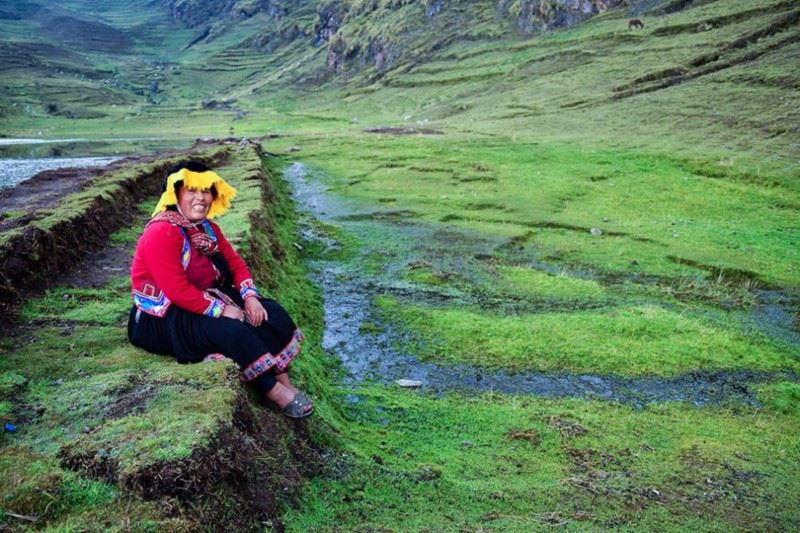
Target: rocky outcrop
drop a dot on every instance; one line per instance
(378, 53)
(273, 38)
(382, 55)
(195, 12)
(350, 30)
(532, 15)
(433, 7)
(331, 15)
(248, 8)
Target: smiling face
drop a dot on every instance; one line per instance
(194, 203)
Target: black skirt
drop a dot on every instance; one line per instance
(190, 337)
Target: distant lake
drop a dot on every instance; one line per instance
(23, 158)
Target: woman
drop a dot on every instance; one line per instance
(194, 297)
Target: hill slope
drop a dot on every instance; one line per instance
(718, 73)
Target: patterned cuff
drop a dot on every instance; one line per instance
(248, 289)
(215, 309)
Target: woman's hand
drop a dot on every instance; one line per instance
(254, 312)
(231, 311)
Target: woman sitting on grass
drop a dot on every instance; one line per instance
(194, 297)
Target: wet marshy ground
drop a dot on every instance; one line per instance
(368, 347)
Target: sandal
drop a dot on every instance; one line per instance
(297, 407)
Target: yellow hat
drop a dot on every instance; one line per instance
(197, 180)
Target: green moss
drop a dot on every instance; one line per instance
(534, 284)
(11, 382)
(638, 340)
(648, 208)
(781, 397)
(519, 464)
(107, 305)
(178, 419)
(36, 488)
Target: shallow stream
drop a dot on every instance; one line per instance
(15, 171)
(369, 353)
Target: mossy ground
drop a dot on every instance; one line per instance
(509, 463)
(495, 462)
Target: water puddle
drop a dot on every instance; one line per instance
(777, 316)
(370, 355)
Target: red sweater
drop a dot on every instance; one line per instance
(166, 269)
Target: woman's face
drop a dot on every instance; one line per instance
(194, 203)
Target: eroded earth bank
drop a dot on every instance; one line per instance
(108, 437)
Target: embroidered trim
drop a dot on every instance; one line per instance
(151, 304)
(247, 289)
(214, 310)
(186, 253)
(279, 362)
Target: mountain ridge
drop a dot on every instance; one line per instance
(704, 64)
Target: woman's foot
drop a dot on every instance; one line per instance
(290, 401)
(283, 379)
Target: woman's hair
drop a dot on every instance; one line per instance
(194, 166)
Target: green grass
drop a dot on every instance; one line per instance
(649, 208)
(530, 283)
(186, 411)
(42, 495)
(520, 464)
(641, 340)
(108, 305)
(783, 397)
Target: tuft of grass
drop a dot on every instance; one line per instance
(530, 283)
(783, 397)
(107, 305)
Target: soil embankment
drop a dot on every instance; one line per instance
(174, 447)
